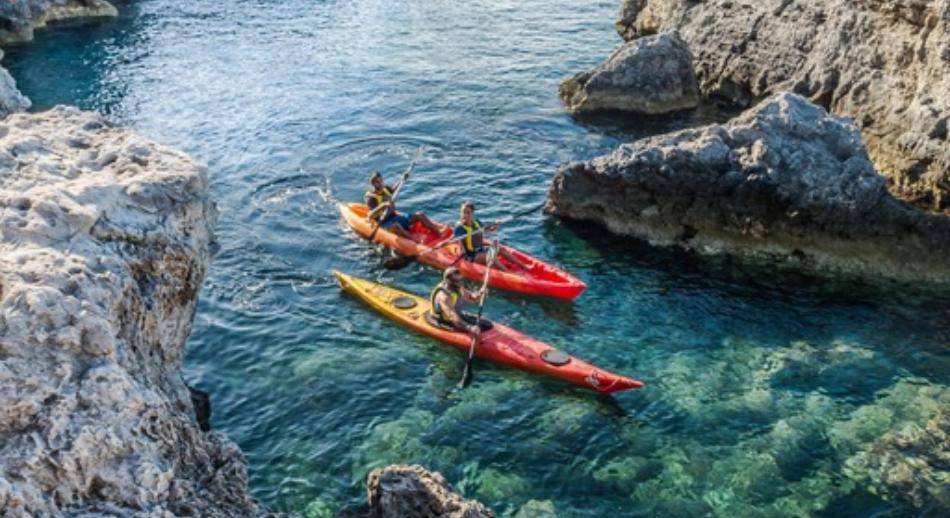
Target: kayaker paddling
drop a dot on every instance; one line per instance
(382, 209)
(469, 231)
(447, 300)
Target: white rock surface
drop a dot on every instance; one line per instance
(105, 238)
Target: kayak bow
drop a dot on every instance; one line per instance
(500, 344)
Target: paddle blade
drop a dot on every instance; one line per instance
(398, 262)
(466, 374)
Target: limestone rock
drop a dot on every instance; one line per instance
(401, 491)
(886, 64)
(649, 75)
(785, 179)
(105, 238)
(11, 100)
(18, 18)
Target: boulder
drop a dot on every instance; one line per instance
(886, 64)
(105, 238)
(785, 179)
(401, 491)
(650, 75)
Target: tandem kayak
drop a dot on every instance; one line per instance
(539, 279)
(499, 344)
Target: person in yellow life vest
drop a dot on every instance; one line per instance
(382, 208)
(470, 231)
(447, 299)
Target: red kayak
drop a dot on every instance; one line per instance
(539, 278)
(500, 344)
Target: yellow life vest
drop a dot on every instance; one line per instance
(470, 234)
(454, 296)
(379, 198)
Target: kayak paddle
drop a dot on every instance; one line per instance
(467, 371)
(402, 181)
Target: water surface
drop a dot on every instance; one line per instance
(763, 386)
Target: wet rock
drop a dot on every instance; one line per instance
(411, 491)
(783, 180)
(884, 63)
(18, 18)
(649, 75)
(99, 289)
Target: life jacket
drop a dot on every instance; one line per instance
(379, 198)
(472, 242)
(454, 296)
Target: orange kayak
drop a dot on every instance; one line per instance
(500, 344)
(539, 278)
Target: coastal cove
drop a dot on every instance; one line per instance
(768, 389)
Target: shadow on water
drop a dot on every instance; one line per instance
(627, 127)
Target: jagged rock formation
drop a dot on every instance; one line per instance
(18, 18)
(105, 238)
(400, 491)
(784, 179)
(886, 64)
(648, 75)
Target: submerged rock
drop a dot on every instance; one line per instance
(105, 238)
(18, 18)
(649, 75)
(401, 491)
(884, 63)
(784, 179)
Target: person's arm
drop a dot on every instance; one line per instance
(471, 296)
(378, 210)
(442, 299)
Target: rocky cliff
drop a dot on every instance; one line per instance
(886, 64)
(106, 238)
(785, 180)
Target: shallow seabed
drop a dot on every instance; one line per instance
(768, 393)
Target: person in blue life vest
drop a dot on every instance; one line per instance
(382, 209)
(471, 232)
(447, 299)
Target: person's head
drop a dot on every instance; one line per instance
(467, 212)
(452, 276)
(376, 179)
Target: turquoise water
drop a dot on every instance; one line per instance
(764, 388)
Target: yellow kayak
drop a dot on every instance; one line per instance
(500, 344)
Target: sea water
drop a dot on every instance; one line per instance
(767, 390)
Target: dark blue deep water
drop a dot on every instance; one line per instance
(768, 390)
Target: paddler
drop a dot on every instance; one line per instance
(382, 209)
(447, 299)
(470, 232)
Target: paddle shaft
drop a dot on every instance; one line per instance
(467, 371)
(392, 199)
